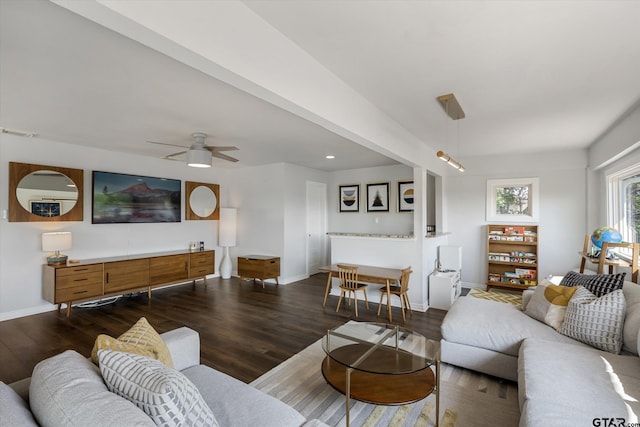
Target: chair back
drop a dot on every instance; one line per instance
(348, 275)
(404, 279)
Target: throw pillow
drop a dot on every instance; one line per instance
(67, 390)
(597, 284)
(596, 321)
(548, 304)
(163, 393)
(140, 339)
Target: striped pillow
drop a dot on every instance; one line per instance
(597, 284)
(163, 393)
(596, 321)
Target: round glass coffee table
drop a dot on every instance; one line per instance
(381, 364)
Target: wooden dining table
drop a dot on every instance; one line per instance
(366, 274)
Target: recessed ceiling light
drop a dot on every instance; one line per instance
(330, 156)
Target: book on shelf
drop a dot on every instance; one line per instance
(514, 230)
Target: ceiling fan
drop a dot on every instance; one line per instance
(199, 154)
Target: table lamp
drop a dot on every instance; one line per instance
(56, 242)
(226, 238)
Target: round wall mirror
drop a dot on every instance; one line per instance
(47, 193)
(203, 201)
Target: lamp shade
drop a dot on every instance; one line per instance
(57, 241)
(227, 227)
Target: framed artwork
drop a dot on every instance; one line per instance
(45, 209)
(512, 200)
(405, 196)
(378, 197)
(350, 198)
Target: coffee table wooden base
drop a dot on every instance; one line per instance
(380, 389)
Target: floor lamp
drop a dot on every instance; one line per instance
(226, 238)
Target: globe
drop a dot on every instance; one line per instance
(605, 234)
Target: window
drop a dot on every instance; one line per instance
(623, 189)
(512, 200)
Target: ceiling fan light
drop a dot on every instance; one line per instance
(199, 158)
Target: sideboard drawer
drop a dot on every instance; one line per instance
(78, 292)
(201, 263)
(80, 270)
(73, 281)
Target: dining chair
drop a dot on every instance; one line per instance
(348, 275)
(400, 291)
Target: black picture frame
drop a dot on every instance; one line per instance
(405, 196)
(349, 198)
(378, 197)
(123, 198)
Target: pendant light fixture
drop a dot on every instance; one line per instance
(453, 109)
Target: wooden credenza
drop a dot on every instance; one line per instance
(98, 278)
(259, 267)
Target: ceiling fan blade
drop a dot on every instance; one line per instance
(164, 143)
(223, 156)
(174, 154)
(213, 148)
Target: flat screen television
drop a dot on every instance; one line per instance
(122, 198)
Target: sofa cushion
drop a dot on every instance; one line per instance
(494, 326)
(597, 284)
(235, 403)
(67, 390)
(14, 410)
(631, 327)
(141, 339)
(561, 384)
(548, 304)
(163, 393)
(596, 321)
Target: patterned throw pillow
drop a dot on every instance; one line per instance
(140, 339)
(549, 304)
(596, 321)
(597, 284)
(163, 393)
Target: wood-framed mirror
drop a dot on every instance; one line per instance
(40, 193)
(201, 201)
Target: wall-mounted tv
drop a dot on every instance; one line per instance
(121, 198)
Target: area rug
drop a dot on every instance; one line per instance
(509, 298)
(466, 398)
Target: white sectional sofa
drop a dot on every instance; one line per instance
(68, 390)
(561, 381)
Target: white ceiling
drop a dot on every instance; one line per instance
(530, 75)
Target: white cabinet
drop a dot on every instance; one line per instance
(444, 289)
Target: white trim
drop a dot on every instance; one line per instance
(534, 201)
(616, 200)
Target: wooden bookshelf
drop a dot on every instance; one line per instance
(512, 256)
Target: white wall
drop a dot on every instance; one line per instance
(618, 148)
(295, 218)
(562, 209)
(21, 255)
(271, 203)
(392, 222)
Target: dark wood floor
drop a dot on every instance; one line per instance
(245, 330)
